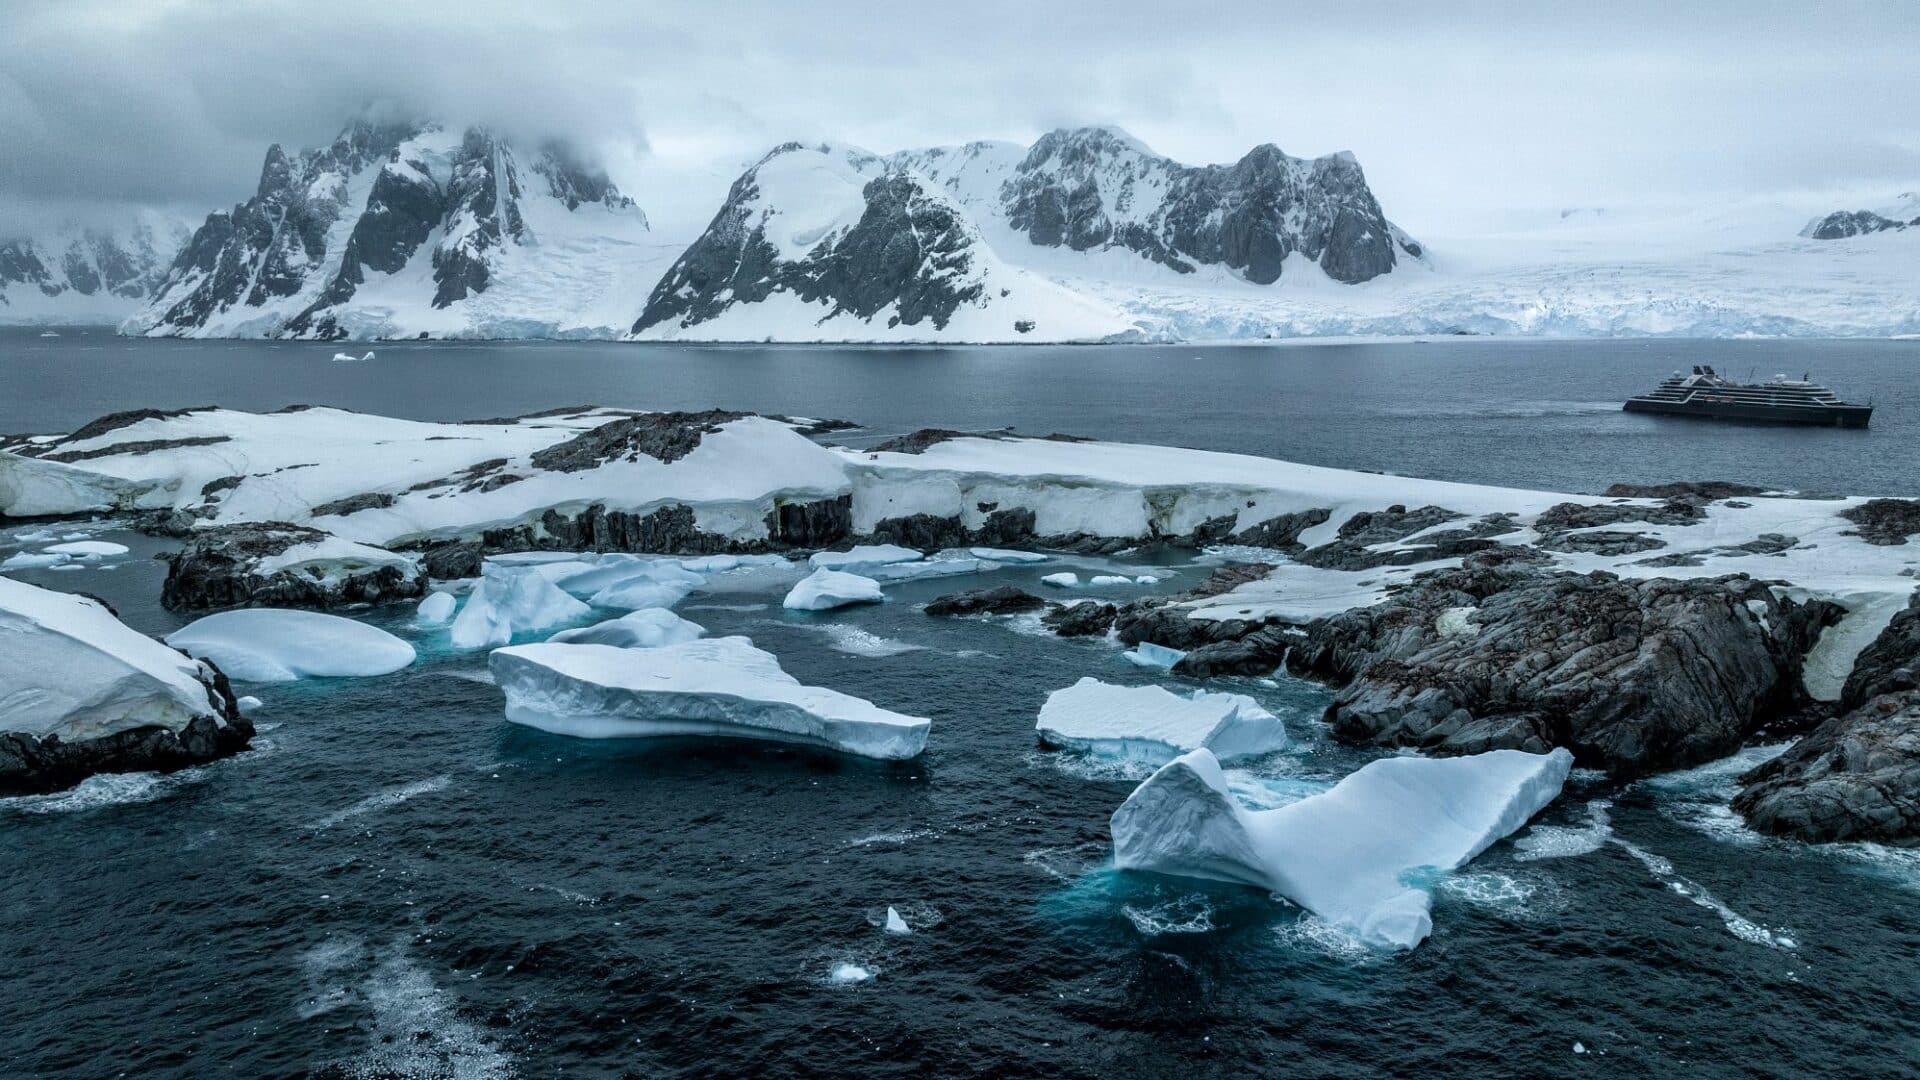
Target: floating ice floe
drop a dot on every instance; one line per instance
(278, 645)
(1065, 579)
(944, 566)
(896, 924)
(847, 974)
(88, 549)
(824, 590)
(865, 555)
(1150, 723)
(648, 628)
(1148, 655)
(437, 608)
(33, 560)
(512, 599)
(717, 686)
(1346, 855)
(1104, 580)
(1003, 555)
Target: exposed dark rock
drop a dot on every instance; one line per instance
(924, 531)
(664, 436)
(1350, 550)
(918, 442)
(220, 567)
(225, 483)
(1001, 600)
(1602, 542)
(1258, 653)
(1699, 491)
(454, 559)
(1842, 224)
(128, 418)
(1084, 619)
(1280, 533)
(816, 524)
(1567, 516)
(1885, 521)
(1632, 676)
(1856, 777)
(353, 504)
(145, 446)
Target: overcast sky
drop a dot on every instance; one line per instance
(1458, 112)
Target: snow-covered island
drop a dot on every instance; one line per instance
(1641, 630)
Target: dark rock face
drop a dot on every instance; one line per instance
(30, 765)
(912, 250)
(139, 446)
(483, 210)
(455, 559)
(220, 567)
(663, 436)
(88, 262)
(353, 504)
(1632, 676)
(668, 530)
(1085, 619)
(1002, 600)
(1700, 491)
(1844, 223)
(1885, 521)
(1891, 664)
(1856, 777)
(1350, 550)
(1079, 188)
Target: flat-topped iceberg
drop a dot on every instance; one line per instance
(1347, 854)
(81, 692)
(1151, 723)
(864, 555)
(1148, 655)
(722, 687)
(280, 645)
(512, 599)
(648, 628)
(824, 590)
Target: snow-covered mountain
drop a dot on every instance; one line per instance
(87, 274)
(412, 230)
(831, 242)
(1902, 213)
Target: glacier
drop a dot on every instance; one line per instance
(1153, 724)
(1354, 855)
(724, 687)
(280, 645)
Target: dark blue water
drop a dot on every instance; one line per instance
(1541, 414)
(397, 882)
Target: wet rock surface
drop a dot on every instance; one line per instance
(1000, 600)
(1885, 521)
(1085, 619)
(1856, 777)
(221, 567)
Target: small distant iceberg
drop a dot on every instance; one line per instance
(48, 333)
(346, 358)
(824, 590)
(1151, 723)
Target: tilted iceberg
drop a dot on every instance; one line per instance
(716, 686)
(648, 628)
(280, 645)
(1151, 723)
(1346, 854)
(824, 590)
(512, 598)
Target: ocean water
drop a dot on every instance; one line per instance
(397, 882)
(1541, 414)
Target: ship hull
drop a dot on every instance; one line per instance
(1842, 416)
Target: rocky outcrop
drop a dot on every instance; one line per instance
(1086, 619)
(30, 765)
(664, 436)
(85, 273)
(1694, 491)
(1885, 521)
(1856, 777)
(1001, 600)
(1842, 224)
(1890, 664)
(277, 564)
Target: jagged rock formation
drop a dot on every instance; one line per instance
(1903, 213)
(1000, 600)
(276, 564)
(77, 274)
(424, 219)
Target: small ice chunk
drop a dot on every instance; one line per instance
(88, 549)
(1002, 555)
(437, 608)
(1146, 579)
(512, 599)
(1065, 579)
(1110, 579)
(824, 590)
(648, 628)
(896, 924)
(1456, 622)
(1151, 723)
(1148, 655)
(247, 704)
(1346, 854)
(847, 974)
(863, 555)
(1579, 1047)
(722, 687)
(30, 560)
(927, 568)
(279, 645)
